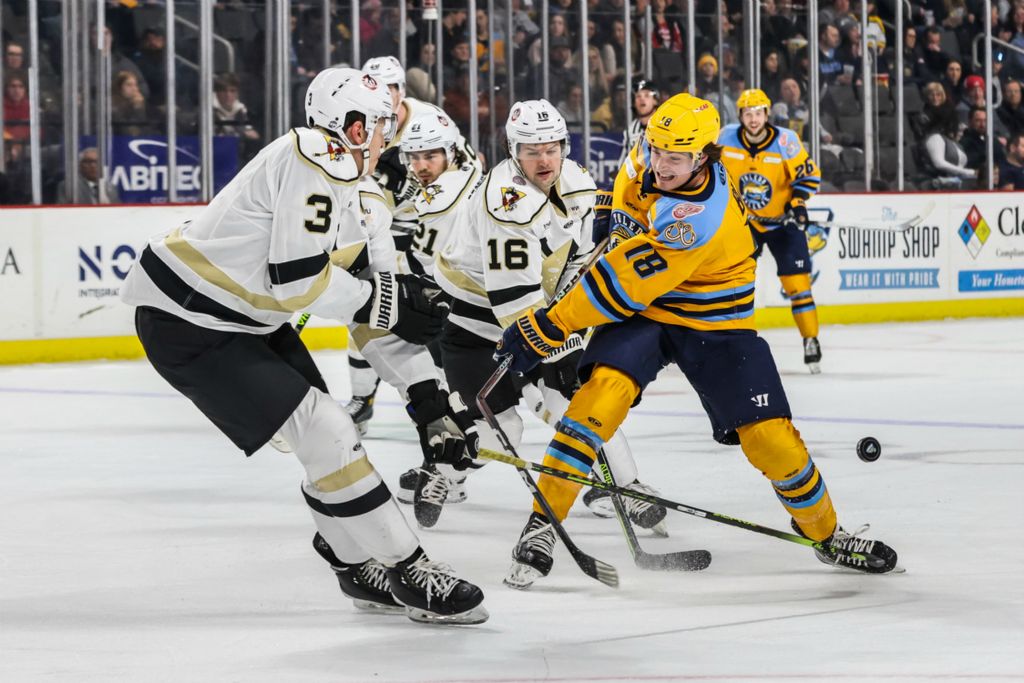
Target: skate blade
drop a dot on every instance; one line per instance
(815, 368)
(477, 615)
(521, 576)
(602, 507)
(405, 497)
(378, 607)
(660, 529)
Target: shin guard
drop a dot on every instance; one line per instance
(798, 291)
(594, 413)
(775, 448)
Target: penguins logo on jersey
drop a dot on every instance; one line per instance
(431, 191)
(334, 150)
(509, 197)
(756, 190)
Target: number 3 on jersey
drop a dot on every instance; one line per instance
(322, 220)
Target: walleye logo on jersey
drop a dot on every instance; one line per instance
(509, 197)
(756, 190)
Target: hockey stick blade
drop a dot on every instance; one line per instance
(488, 454)
(679, 561)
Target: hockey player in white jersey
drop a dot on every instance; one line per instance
(214, 297)
(445, 179)
(530, 231)
(400, 193)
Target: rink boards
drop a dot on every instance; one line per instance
(61, 269)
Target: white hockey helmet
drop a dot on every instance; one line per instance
(533, 121)
(338, 92)
(430, 129)
(387, 70)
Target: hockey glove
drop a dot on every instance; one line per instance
(797, 216)
(405, 305)
(528, 341)
(392, 174)
(602, 216)
(560, 370)
(447, 433)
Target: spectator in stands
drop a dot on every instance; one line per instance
(934, 58)
(561, 71)
(974, 143)
(1011, 173)
(150, 60)
(1010, 112)
(937, 109)
(829, 66)
(1017, 39)
(838, 14)
(458, 61)
(419, 80)
(91, 188)
(118, 61)
(230, 116)
(667, 32)
(599, 80)
(14, 57)
(128, 112)
(790, 111)
(369, 20)
(557, 30)
(953, 80)
(572, 108)
(16, 107)
(974, 97)
(915, 69)
(945, 161)
(772, 74)
(850, 54)
(707, 75)
(16, 179)
(453, 25)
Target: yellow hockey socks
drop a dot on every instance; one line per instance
(798, 289)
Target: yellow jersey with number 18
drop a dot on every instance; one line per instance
(688, 262)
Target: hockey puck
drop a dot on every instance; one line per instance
(868, 449)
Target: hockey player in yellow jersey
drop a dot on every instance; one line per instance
(680, 290)
(775, 177)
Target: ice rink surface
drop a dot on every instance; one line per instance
(138, 545)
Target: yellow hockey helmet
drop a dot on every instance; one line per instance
(753, 98)
(683, 123)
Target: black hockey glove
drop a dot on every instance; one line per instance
(602, 216)
(560, 370)
(447, 433)
(797, 216)
(392, 174)
(406, 305)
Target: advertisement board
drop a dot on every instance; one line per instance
(19, 271)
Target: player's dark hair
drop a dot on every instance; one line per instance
(712, 152)
(353, 117)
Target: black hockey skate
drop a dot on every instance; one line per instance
(812, 355)
(432, 593)
(409, 479)
(533, 555)
(360, 409)
(850, 551)
(641, 513)
(366, 584)
(431, 492)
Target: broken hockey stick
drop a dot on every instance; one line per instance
(487, 454)
(681, 560)
(591, 566)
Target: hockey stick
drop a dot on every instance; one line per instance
(591, 566)
(680, 561)
(301, 322)
(487, 454)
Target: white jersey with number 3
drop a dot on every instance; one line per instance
(282, 237)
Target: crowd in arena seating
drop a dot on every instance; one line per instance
(944, 87)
